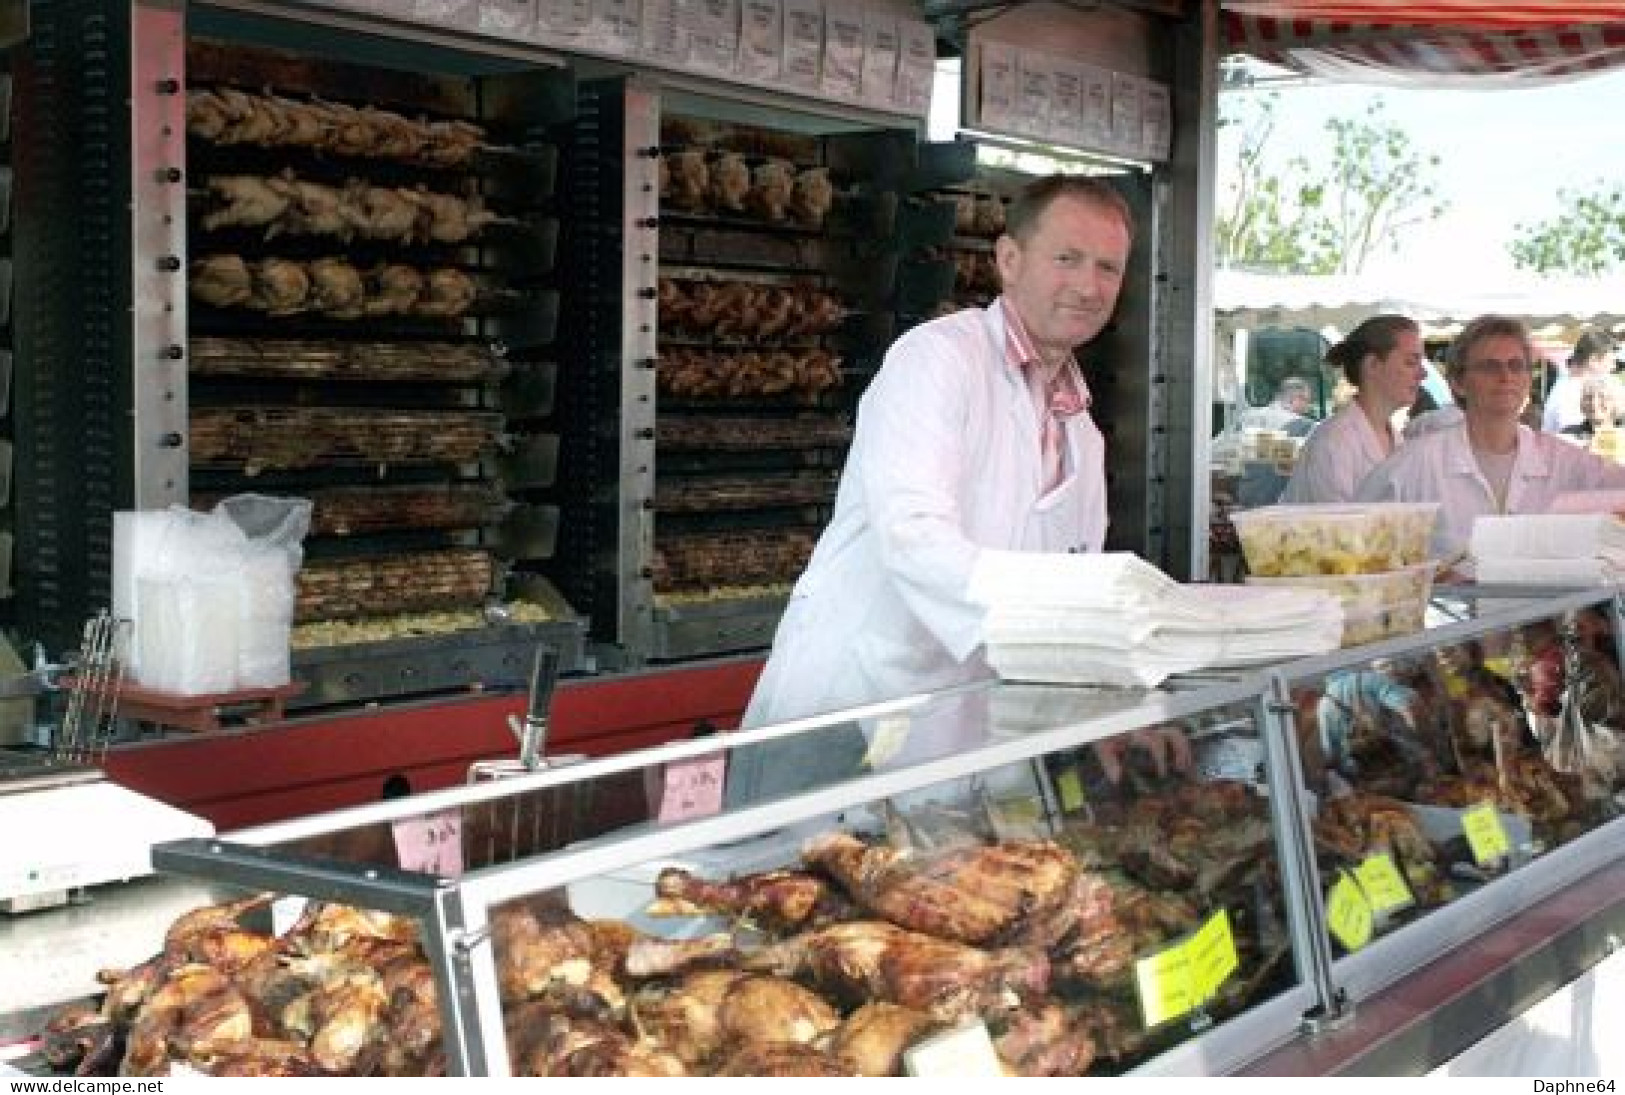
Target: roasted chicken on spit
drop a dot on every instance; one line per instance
(221, 280)
(812, 196)
(229, 116)
(250, 201)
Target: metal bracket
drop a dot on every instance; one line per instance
(1320, 1020)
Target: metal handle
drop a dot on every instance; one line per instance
(544, 675)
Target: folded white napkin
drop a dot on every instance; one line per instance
(1179, 631)
(1548, 572)
(1549, 536)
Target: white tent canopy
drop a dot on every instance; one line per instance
(1247, 300)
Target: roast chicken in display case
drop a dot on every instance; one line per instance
(1066, 880)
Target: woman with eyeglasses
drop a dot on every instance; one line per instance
(1489, 463)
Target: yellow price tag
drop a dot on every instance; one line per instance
(1485, 834)
(1385, 887)
(1348, 914)
(887, 736)
(1213, 955)
(1069, 785)
(1182, 977)
(1165, 985)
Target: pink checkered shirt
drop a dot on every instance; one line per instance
(1058, 393)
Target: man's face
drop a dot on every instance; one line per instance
(1064, 279)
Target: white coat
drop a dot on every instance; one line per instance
(1334, 458)
(1440, 467)
(945, 469)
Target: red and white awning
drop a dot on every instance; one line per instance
(1444, 43)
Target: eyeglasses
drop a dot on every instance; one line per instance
(1488, 366)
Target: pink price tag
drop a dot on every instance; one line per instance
(693, 788)
(432, 844)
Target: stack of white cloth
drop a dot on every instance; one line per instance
(1557, 549)
(1115, 619)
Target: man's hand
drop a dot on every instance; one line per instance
(1167, 746)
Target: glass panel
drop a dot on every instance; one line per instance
(1062, 900)
(1460, 763)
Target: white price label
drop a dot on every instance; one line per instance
(963, 1053)
(431, 844)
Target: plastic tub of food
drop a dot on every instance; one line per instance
(1375, 606)
(1289, 541)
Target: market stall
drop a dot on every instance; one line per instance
(1005, 906)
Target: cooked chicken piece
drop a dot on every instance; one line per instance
(1048, 1040)
(536, 949)
(448, 293)
(708, 1011)
(819, 312)
(663, 957)
(250, 201)
(330, 926)
(671, 304)
(336, 289)
(393, 290)
(393, 137)
(206, 115)
(777, 900)
(251, 121)
(304, 125)
(811, 197)
(447, 218)
(281, 287)
(545, 1042)
(256, 1057)
(781, 1059)
(221, 280)
(872, 1039)
(358, 130)
(964, 214)
(413, 1018)
(345, 1017)
(77, 1037)
(971, 896)
(383, 212)
(195, 1007)
(690, 180)
(872, 960)
(450, 144)
(314, 209)
(776, 313)
(989, 219)
(730, 182)
(771, 185)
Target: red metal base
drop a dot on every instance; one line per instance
(261, 774)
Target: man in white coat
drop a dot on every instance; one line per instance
(973, 441)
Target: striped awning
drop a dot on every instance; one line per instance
(1442, 44)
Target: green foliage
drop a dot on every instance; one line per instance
(1587, 238)
(1286, 213)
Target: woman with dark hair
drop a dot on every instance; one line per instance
(1382, 359)
(1490, 462)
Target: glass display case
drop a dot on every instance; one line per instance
(1021, 878)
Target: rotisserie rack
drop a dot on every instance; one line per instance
(371, 254)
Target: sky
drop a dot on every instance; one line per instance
(1504, 155)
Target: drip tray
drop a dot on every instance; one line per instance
(498, 656)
